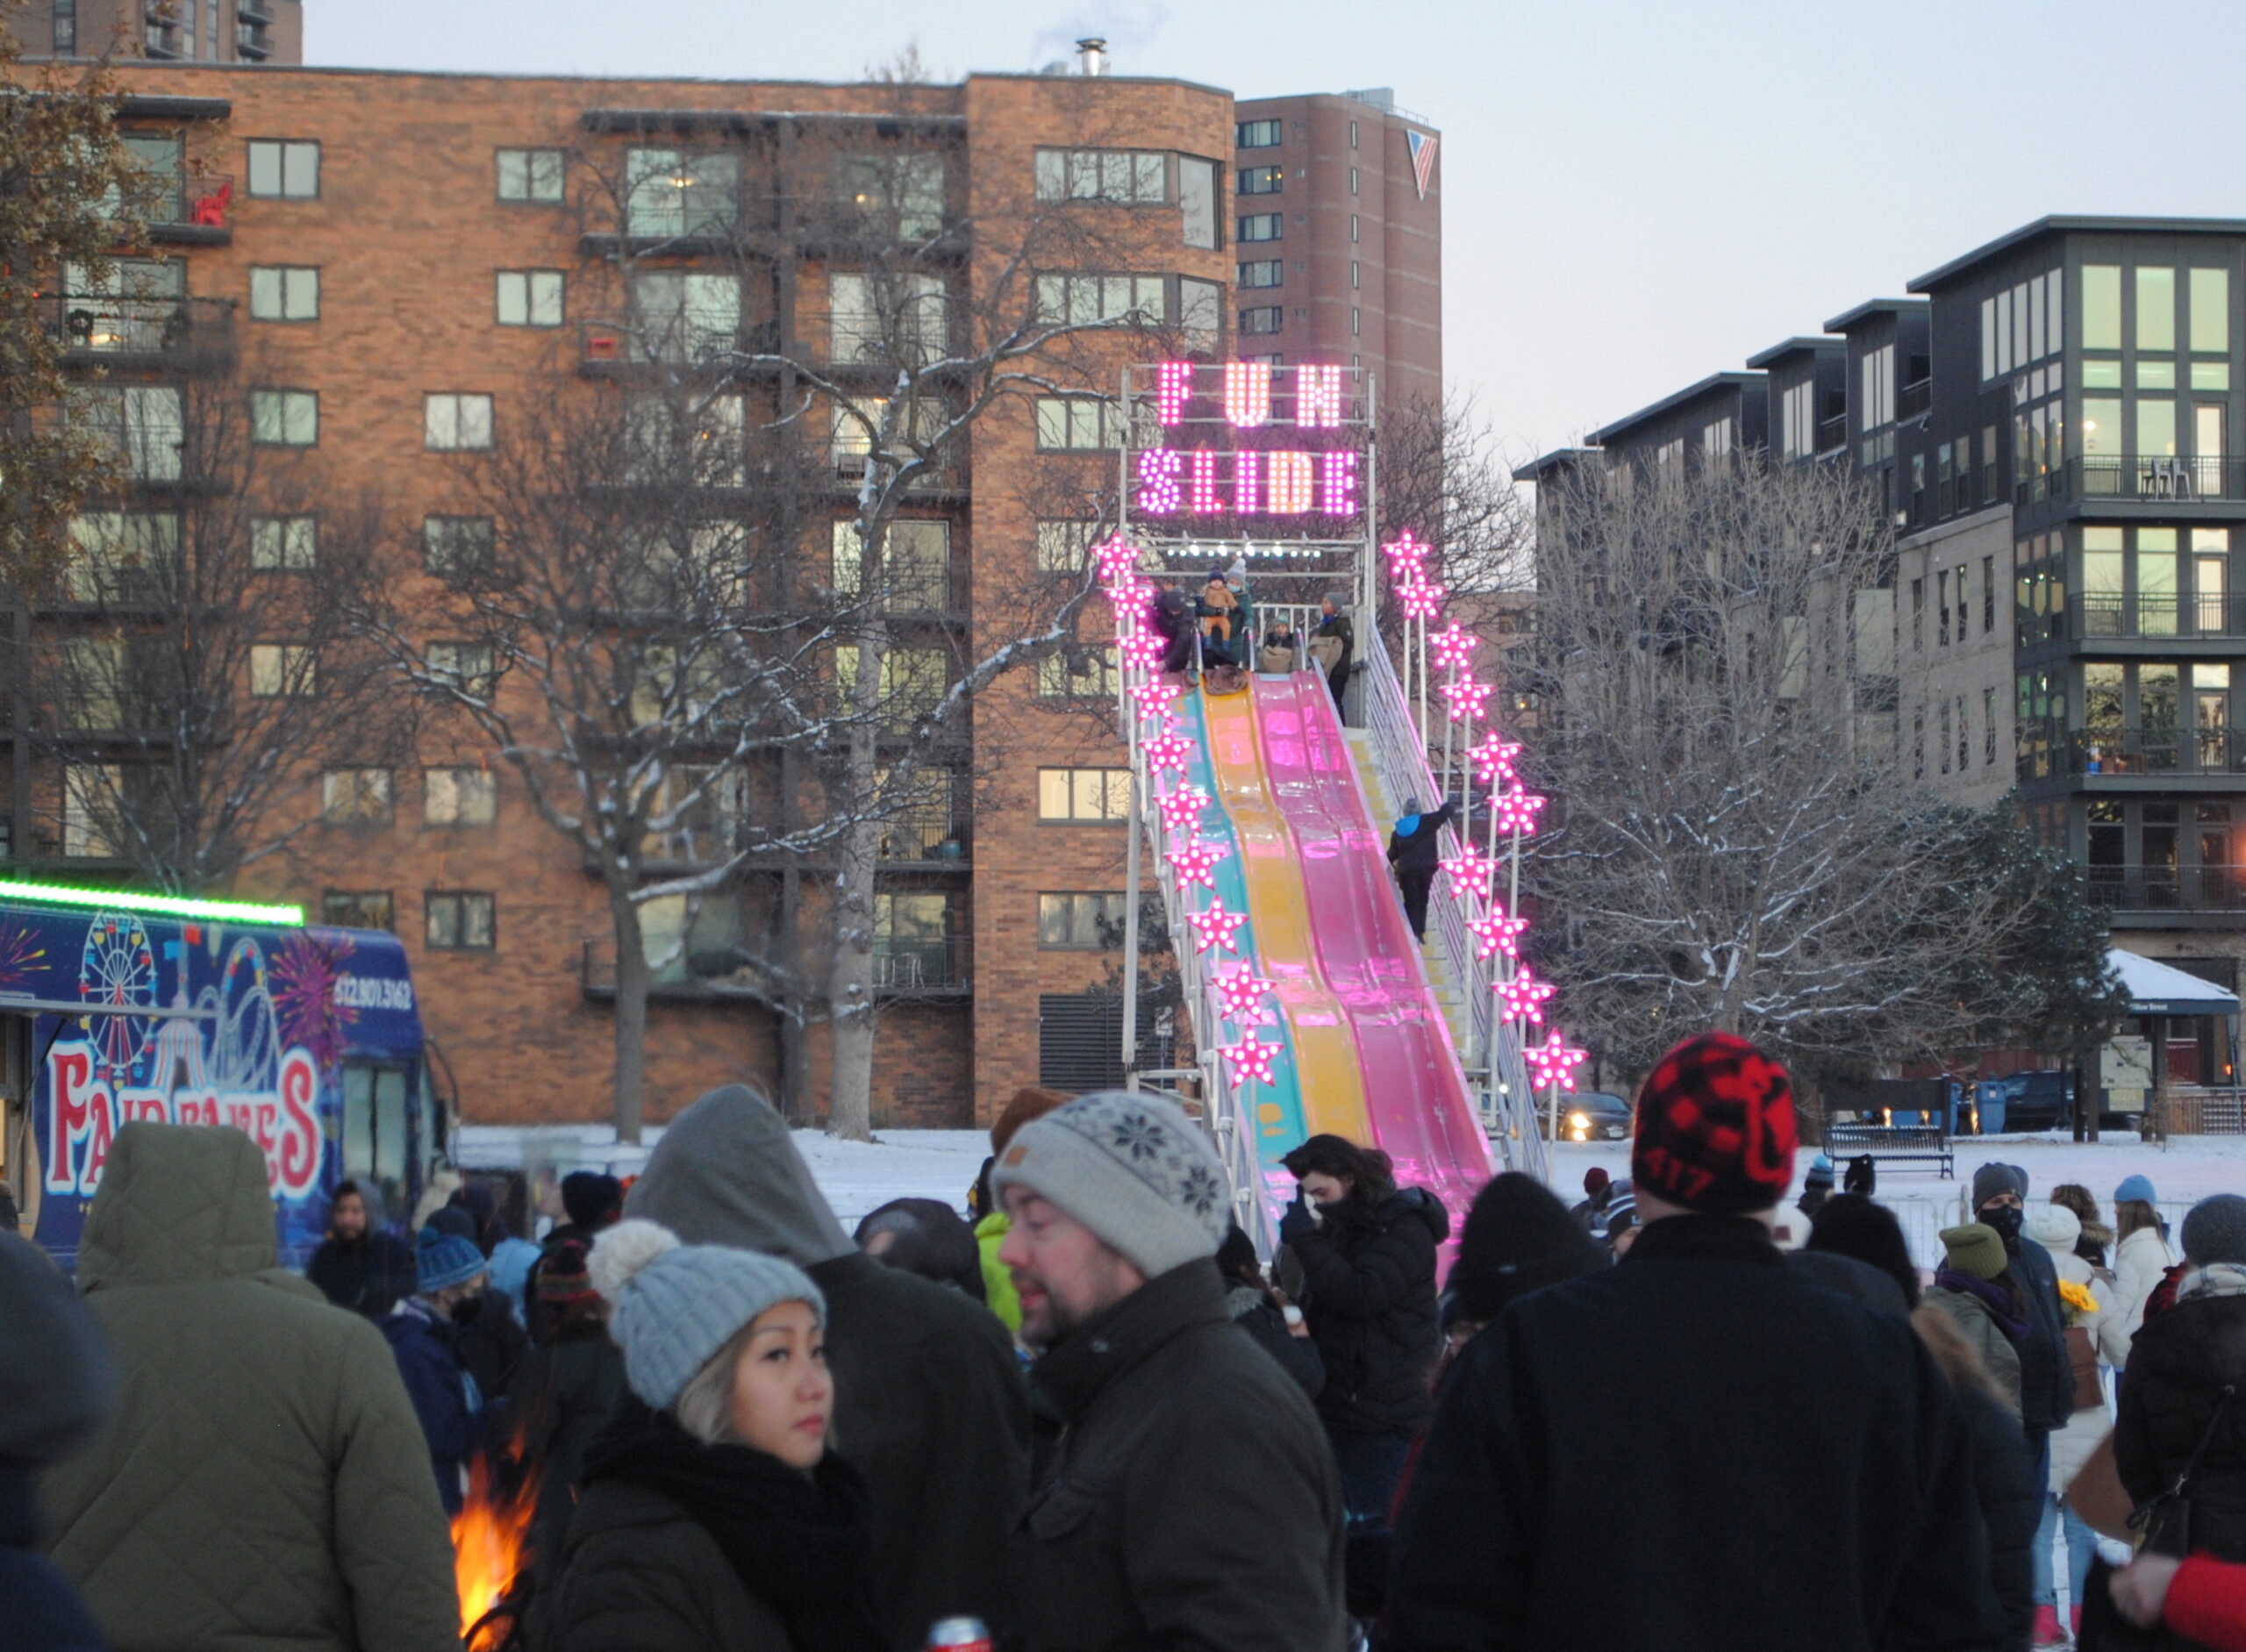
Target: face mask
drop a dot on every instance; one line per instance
(2005, 1219)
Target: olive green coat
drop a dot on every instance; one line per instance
(264, 1484)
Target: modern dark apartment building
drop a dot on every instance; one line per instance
(167, 30)
(1338, 199)
(2049, 422)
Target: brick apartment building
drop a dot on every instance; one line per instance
(2049, 421)
(1340, 210)
(166, 31)
(401, 268)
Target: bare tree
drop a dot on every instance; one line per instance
(195, 676)
(1443, 477)
(869, 318)
(1734, 849)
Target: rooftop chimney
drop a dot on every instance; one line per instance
(1093, 55)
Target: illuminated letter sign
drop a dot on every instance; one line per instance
(1245, 440)
(1248, 393)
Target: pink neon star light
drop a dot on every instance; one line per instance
(1181, 809)
(1195, 862)
(1216, 928)
(1470, 872)
(1130, 595)
(1493, 757)
(1555, 1062)
(1144, 648)
(1406, 553)
(1523, 996)
(1498, 933)
(1421, 599)
(1153, 698)
(1454, 645)
(1115, 555)
(1242, 991)
(1468, 698)
(1517, 810)
(1166, 751)
(1250, 1059)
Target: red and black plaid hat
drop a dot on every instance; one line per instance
(1715, 1127)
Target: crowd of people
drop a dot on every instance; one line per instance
(1088, 1415)
(1215, 629)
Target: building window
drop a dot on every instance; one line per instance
(283, 544)
(1356, 321)
(1877, 371)
(355, 797)
(66, 28)
(1061, 546)
(459, 796)
(916, 575)
(1798, 421)
(284, 292)
(283, 169)
(668, 193)
(282, 670)
(1945, 736)
(1353, 228)
(1941, 606)
(1080, 299)
(1918, 614)
(283, 418)
(1356, 284)
(457, 546)
(1080, 922)
(1076, 674)
(1353, 180)
(1261, 226)
(461, 921)
(530, 298)
(530, 174)
(1077, 423)
(1083, 793)
(357, 909)
(1353, 134)
(1988, 727)
(1255, 134)
(913, 682)
(1964, 739)
(466, 666)
(1267, 272)
(455, 422)
(1131, 178)
(1264, 318)
(1263, 180)
(1988, 594)
(123, 555)
(142, 425)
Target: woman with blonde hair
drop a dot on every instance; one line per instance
(713, 1518)
(2142, 1258)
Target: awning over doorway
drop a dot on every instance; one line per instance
(2159, 989)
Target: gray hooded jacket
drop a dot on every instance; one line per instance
(929, 1404)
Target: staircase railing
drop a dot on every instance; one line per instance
(1508, 1105)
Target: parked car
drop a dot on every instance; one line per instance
(1594, 1115)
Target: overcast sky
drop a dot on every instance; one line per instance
(1636, 193)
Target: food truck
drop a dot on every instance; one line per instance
(116, 1006)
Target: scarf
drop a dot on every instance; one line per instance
(797, 1542)
(2002, 1307)
(2216, 1279)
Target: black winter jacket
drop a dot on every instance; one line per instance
(2178, 1365)
(43, 1612)
(2011, 1507)
(2046, 1374)
(560, 1397)
(368, 1275)
(1297, 1355)
(1370, 1295)
(1699, 1448)
(1422, 850)
(1193, 1502)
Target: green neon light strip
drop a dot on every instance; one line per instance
(162, 906)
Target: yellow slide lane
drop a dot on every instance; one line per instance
(1325, 1051)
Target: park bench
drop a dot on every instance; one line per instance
(1892, 1144)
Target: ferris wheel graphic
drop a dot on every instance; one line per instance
(245, 1041)
(118, 968)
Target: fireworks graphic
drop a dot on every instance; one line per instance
(302, 982)
(21, 956)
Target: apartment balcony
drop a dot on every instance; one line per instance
(906, 968)
(2161, 618)
(939, 842)
(2135, 753)
(1913, 399)
(253, 42)
(2154, 478)
(259, 12)
(2144, 890)
(174, 334)
(192, 211)
(1832, 434)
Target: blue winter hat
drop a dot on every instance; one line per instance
(2138, 1187)
(443, 1259)
(1821, 1173)
(673, 1305)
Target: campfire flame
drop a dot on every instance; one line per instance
(491, 1537)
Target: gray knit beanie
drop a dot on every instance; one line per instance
(2214, 1230)
(672, 1305)
(1132, 1168)
(1993, 1179)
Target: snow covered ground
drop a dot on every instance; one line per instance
(859, 1176)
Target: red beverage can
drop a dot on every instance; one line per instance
(961, 1634)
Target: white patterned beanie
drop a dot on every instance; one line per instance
(1132, 1168)
(672, 1306)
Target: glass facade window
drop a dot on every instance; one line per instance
(2101, 307)
(2156, 296)
(1255, 134)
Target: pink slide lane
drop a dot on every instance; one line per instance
(1415, 1094)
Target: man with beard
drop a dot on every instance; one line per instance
(358, 1266)
(1192, 1497)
